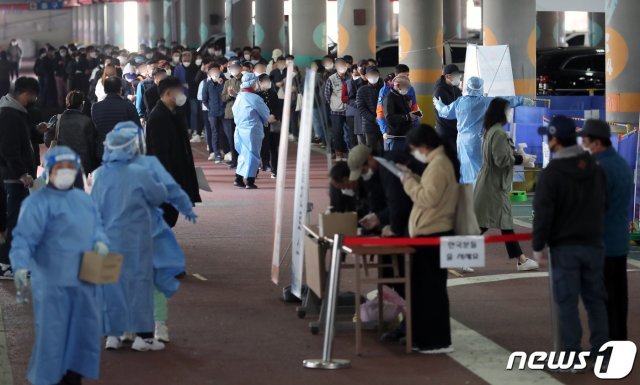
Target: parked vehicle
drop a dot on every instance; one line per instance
(571, 71)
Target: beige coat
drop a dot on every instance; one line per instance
(434, 196)
(491, 193)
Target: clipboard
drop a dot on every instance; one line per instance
(202, 180)
(389, 166)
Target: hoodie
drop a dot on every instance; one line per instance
(16, 152)
(570, 201)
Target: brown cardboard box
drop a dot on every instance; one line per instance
(338, 223)
(100, 270)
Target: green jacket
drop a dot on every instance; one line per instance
(234, 82)
(491, 193)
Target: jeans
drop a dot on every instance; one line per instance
(319, 128)
(351, 136)
(577, 272)
(615, 280)
(16, 193)
(395, 144)
(212, 127)
(337, 126)
(229, 128)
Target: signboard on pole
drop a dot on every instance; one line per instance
(492, 64)
(281, 178)
(301, 195)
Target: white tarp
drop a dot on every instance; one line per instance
(493, 65)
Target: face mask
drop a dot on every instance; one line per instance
(420, 157)
(63, 53)
(403, 92)
(368, 175)
(254, 62)
(176, 59)
(328, 66)
(341, 70)
(186, 64)
(348, 192)
(210, 51)
(509, 114)
(148, 56)
(122, 60)
(281, 67)
(244, 72)
(373, 80)
(64, 179)
(163, 52)
(181, 99)
(217, 53)
(247, 57)
(266, 86)
(234, 72)
(14, 43)
(159, 44)
(289, 62)
(214, 75)
(198, 62)
(355, 77)
(93, 55)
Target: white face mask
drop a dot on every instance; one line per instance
(181, 99)
(341, 70)
(355, 77)
(455, 82)
(289, 62)
(420, 157)
(509, 113)
(186, 64)
(176, 59)
(198, 62)
(281, 67)
(348, 192)
(14, 43)
(265, 86)
(93, 55)
(217, 53)
(234, 72)
(403, 92)
(214, 75)
(247, 57)
(244, 72)
(368, 175)
(63, 53)
(328, 66)
(148, 56)
(211, 51)
(64, 178)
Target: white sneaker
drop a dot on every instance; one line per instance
(128, 337)
(468, 270)
(162, 332)
(445, 350)
(113, 343)
(149, 344)
(529, 264)
(196, 139)
(6, 272)
(228, 157)
(211, 156)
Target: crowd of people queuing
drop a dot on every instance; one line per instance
(123, 126)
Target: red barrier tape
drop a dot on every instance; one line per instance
(365, 241)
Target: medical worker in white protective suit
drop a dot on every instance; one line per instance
(469, 110)
(250, 114)
(168, 258)
(57, 225)
(127, 195)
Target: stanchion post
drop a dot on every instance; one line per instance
(555, 322)
(332, 295)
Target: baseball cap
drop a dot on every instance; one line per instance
(357, 158)
(451, 69)
(596, 129)
(560, 126)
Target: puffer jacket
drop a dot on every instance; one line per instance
(367, 100)
(77, 132)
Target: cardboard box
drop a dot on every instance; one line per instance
(338, 223)
(100, 270)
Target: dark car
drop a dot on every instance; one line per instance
(571, 71)
(219, 39)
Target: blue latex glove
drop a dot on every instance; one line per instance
(101, 249)
(20, 279)
(438, 104)
(529, 102)
(191, 217)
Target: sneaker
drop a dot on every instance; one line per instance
(529, 264)
(273, 175)
(218, 160)
(6, 272)
(113, 343)
(239, 184)
(145, 345)
(128, 337)
(232, 165)
(196, 139)
(212, 156)
(251, 186)
(292, 138)
(162, 331)
(445, 350)
(228, 157)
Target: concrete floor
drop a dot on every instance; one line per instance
(234, 329)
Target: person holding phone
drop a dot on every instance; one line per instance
(399, 115)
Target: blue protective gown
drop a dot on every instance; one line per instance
(168, 258)
(250, 114)
(55, 228)
(127, 195)
(469, 110)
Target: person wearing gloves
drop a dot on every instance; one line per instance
(491, 193)
(168, 258)
(434, 196)
(57, 225)
(250, 114)
(469, 110)
(127, 195)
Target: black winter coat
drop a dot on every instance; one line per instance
(16, 151)
(77, 132)
(448, 94)
(396, 111)
(367, 102)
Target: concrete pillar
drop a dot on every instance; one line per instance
(549, 29)
(115, 21)
(85, 16)
(189, 23)
(100, 23)
(384, 14)
(74, 24)
(308, 30)
(420, 30)
(596, 29)
(513, 22)
(238, 23)
(212, 18)
(143, 22)
(156, 20)
(454, 19)
(168, 24)
(269, 27)
(357, 28)
(622, 34)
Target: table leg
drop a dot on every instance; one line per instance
(407, 295)
(357, 305)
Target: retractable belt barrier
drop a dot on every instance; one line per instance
(427, 241)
